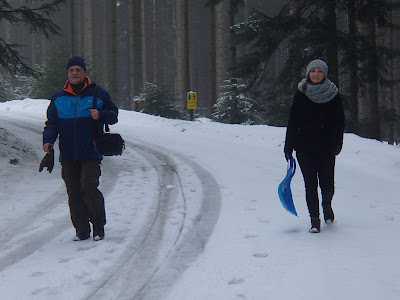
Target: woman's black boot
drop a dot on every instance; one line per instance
(315, 225)
(329, 216)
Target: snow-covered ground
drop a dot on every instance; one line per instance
(193, 213)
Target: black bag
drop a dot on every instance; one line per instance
(109, 143)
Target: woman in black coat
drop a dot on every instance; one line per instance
(315, 131)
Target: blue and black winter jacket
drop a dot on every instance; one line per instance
(68, 117)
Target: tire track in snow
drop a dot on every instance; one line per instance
(163, 249)
(16, 241)
(157, 263)
(24, 236)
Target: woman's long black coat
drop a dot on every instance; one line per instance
(315, 127)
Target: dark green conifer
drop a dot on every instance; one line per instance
(37, 18)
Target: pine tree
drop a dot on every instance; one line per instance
(307, 30)
(300, 26)
(52, 74)
(6, 90)
(234, 4)
(216, 59)
(234, 107)
(372, 15)
(36, 19)
(159, 101)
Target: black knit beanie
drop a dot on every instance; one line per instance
(76, 61)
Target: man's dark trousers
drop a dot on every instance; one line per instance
(86, 202)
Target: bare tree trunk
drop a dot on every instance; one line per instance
(114, 59)
(369, 116)
(98, 17)
(363, 112)
(80, 34)
(72, 28)
(163, 52)
(353, 70)
(212, 78)
(137, 46)
(232, 48)
(332, 51)
(222, 44)
(245, 19)
(159, 42)
(182, 47)
(149, 33)
(373, 82)
(391, 96)
(155, 42)
(88, 32)
(396, 76)
(105, 46)
(143, 42)
(294, 7)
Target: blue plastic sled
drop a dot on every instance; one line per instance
(284, 192)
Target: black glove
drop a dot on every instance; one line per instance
(288, 155)
(47, 161)
(338, 148)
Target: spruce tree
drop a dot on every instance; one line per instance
(36, 19)
(234, 4)
(159, 101)
(6, 91)
(52, 73)
(234, 107)
(306, 30)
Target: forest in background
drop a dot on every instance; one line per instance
(219, 48)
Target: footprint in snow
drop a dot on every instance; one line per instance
(36, 274)
(389, 218)
(236, 281)
(40, 291)
(260, 255)
(264, 221)
(250, 209)
(250, 236)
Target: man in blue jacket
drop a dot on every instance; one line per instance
(71, 118)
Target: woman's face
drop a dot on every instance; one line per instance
(316, 75)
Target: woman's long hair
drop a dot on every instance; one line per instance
(308, 80)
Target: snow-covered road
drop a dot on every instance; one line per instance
(153, 231)
(193, 213)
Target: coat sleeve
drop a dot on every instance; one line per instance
(109, 112)
(340, 127)
(291, 129)
(50, 132)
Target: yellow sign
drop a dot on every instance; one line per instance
(191, 102)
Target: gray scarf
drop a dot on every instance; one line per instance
(319, 93)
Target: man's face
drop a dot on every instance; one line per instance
(76, 74)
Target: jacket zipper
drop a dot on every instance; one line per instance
(75, 135)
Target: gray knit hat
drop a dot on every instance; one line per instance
(317, 63)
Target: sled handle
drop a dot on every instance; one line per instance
(292, 164)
